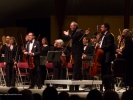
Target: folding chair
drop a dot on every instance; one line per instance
(49, 74)
(23, 65)
(3, 73)
(69, 73)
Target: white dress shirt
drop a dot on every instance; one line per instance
(31, 46)
(85, 47)
(101, 42)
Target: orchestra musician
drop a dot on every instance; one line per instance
(11, 53)
(5, 45)
(93, 40)
(33, 50)
(107, 45)
(127, 54)
(59, 69)
(88, 55)
(77, 50)
(43, 54)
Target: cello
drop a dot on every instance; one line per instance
(95, 69)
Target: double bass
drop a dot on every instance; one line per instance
(95, 69)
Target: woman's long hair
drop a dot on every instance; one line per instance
(13, 38)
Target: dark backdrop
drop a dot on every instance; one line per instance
(37, 26)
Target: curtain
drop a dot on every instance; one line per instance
(60, 6)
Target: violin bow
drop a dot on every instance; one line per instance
(38, 37)
(84, 34)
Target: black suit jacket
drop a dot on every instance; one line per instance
(108, 48)
(36, 51)
(77, 46)
(89, 51)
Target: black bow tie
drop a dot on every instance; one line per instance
(85, 45)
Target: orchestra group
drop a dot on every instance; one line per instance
(89, 55)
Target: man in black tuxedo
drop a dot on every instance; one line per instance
(33, 49)
(107, 45)
(87, 56)
(77, 50)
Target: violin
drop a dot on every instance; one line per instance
(63, 60)
(31, 62)
(15, 67)
(71, 59)
(120, 46)
(85, 65)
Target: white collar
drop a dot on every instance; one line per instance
(105, 32)
(33, 40)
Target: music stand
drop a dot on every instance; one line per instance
(54, 55)
(43, 60)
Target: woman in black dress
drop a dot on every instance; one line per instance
(11, 56)
(43, 55)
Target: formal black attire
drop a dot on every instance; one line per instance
(107, 45)
(88, 50)
(77, 50)
(59, 70)
(44, 51)
(3, 49)
(35, 78)
(127, 52)
(10, 70)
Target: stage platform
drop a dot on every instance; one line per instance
(35, 90)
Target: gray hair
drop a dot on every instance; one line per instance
(127, 32)
(60, 41)
(75, 24)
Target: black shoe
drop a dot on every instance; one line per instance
(31, 87)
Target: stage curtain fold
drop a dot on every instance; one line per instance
(60, 6)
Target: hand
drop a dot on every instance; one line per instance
(15, 63)
(97, 45)
(31, 54)
(26, 53)
(3, 55)
(55, 44)
(4, 63)
(87, 31)
(84, 55)
(118, 50)
(66, 32)
(23, 50)
(63, 54)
